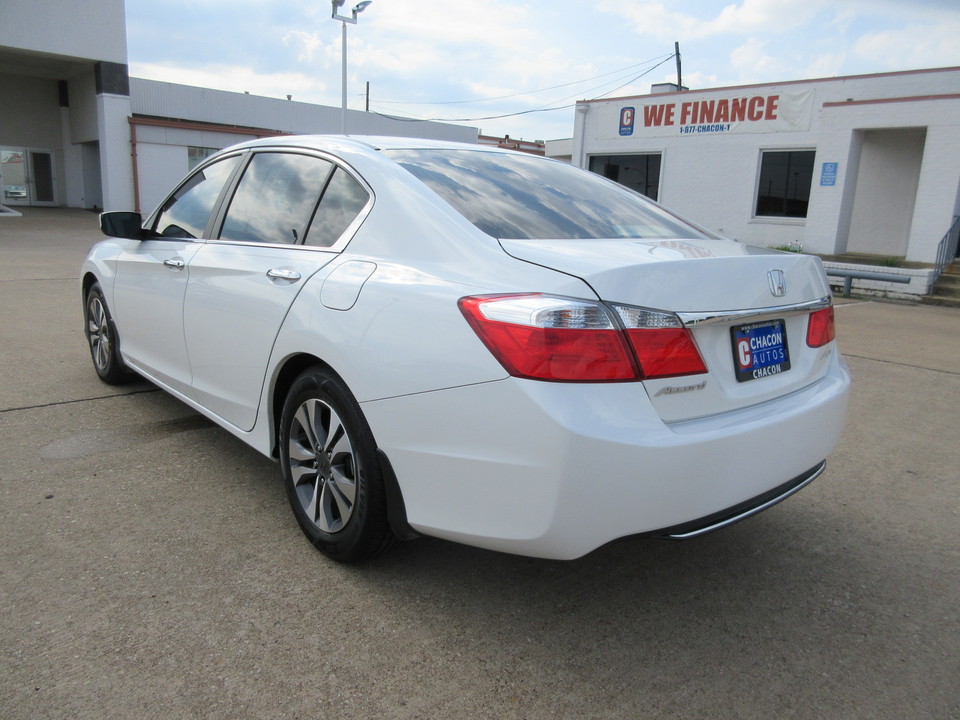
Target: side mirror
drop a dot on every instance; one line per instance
(122, 224)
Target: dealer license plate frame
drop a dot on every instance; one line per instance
(765, 352)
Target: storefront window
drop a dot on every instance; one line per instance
(785, 179)
(637, 172)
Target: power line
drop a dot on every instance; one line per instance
(661, 58)
(545, 108)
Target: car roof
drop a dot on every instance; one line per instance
(364, 143)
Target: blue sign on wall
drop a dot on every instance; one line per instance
(627, 116)
(828, 174)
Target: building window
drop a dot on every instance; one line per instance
(637, 172)
(196, 155)
(785, 179)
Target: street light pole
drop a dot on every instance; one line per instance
(344, 19)
(343, 80)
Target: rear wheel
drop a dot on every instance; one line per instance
(102, 336)
(331, 470)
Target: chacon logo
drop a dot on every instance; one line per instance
(778, 284)
(627, 117)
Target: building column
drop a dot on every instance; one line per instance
(71, 169)
(113, 130)
(937, 193)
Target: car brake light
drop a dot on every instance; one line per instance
(664, 347)
(821, 328)
(563, 339)
(548, 338)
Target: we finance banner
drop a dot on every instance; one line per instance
(748, 113)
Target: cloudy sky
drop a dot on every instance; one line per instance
(474, 61)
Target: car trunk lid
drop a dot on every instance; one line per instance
(736, 300)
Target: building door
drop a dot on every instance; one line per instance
(13, 170)
(28, 177)
(40, 180)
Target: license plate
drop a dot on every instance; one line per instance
(760, 350)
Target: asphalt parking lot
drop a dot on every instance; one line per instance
(150, 565)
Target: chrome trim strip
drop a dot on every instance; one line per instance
(817, 472)
(695, 319)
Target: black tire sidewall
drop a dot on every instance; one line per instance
(366, 531)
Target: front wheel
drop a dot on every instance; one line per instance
(102, 338)
(331, 470)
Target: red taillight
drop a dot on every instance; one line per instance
(545, 338)
(562, 339)
(820, 328)
(666, 352)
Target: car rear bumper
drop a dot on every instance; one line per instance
(556, 470)
(729, 516)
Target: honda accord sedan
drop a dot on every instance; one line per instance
(473, 344)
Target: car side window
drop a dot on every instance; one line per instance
(276, 198)
(186, 212)
(342, 201)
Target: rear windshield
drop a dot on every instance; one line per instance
(516, 196)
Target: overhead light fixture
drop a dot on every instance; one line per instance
(352, 17)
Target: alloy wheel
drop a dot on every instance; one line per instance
(98, 332)
(323, 465)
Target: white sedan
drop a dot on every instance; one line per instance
(473, 344)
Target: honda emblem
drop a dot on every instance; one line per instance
(778, 285)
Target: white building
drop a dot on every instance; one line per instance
(77, 131)
(64, 103)
(863, 164)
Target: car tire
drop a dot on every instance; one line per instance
(331, 469)
(102, 339)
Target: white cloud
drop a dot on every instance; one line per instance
(753, 63)
(308, 42)
(653, 18)
(469, 26)
(902, 48)
(825, 65)
(307, 88)
(695, 80)
(764, 16)
(747, 17)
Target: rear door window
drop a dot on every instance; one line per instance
(276, 198)
(342, 201)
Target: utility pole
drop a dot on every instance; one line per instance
(368, 96)
(676, 54)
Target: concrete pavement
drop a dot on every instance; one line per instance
(150, 565)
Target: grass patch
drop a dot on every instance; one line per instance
(889, 262)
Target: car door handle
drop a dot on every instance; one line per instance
(289, 275)
(174, 264)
